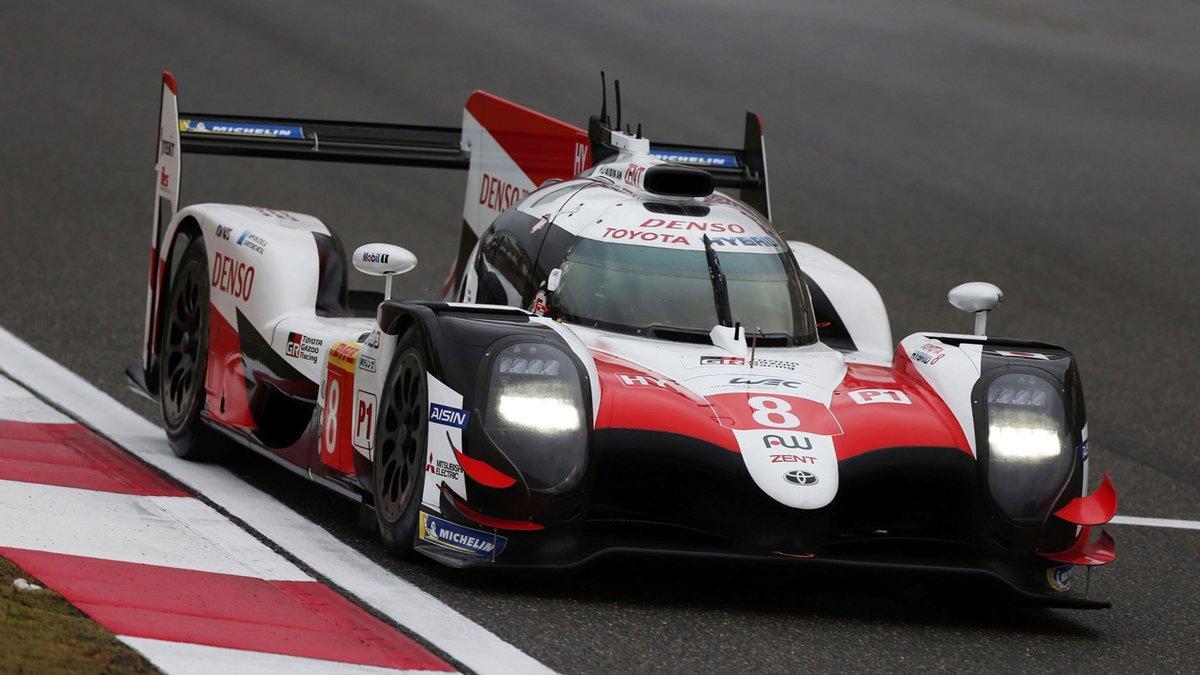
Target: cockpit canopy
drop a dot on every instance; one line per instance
(659, 291)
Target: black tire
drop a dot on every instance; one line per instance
(398, 475)
(183, 358)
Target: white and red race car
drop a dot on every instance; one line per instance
(625, 360)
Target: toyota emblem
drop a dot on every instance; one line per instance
(801, 477)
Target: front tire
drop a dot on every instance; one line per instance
(183, 358)
(398, 476)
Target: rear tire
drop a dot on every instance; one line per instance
(183, 358)
(398, 476)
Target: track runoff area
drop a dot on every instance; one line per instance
(180, 560)
(188, 564)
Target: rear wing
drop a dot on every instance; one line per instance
(358, 142)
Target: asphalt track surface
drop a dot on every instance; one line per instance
(1052, 148)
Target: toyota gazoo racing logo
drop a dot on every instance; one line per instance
(799, 477)
(373, 257)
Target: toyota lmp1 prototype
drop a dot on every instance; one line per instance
(624, 360)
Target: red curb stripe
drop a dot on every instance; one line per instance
(295, 618)
(71, 455)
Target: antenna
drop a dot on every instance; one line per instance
(617, 91)
(603, 99)
(639, 131)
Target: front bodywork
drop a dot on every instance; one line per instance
(677, 464)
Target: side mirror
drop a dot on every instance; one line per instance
(384, 260)
(978, 298)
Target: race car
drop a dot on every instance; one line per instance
(625, 360)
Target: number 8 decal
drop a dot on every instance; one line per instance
(775, 412)
(332, 396)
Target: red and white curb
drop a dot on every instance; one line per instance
(175, 578)
(167, 573)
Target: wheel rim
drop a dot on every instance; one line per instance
(402, 439)
(186, 344)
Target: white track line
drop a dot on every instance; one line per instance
(1157, 522)
(462, 639)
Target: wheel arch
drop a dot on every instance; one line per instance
(186, 229)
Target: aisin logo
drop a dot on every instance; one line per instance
(800, 478)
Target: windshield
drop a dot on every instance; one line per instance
(639, 288)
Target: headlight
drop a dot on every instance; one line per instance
(535, 412)
(1029, 446)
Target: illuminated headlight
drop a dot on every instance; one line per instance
(1029, 445)
(538, 412)
(535, 413)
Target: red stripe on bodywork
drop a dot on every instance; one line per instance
(923, 422)
(478, 470)
(71, 455)
(667, 408)
(486, 520)
(296, 618)
(655, 403)
(225, 381)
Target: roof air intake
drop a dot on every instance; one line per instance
(678, 181)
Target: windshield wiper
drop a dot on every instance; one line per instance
(720, 287)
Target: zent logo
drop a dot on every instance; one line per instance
(449, 416)
(866, 396)
(793, 459)
(232, 276)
